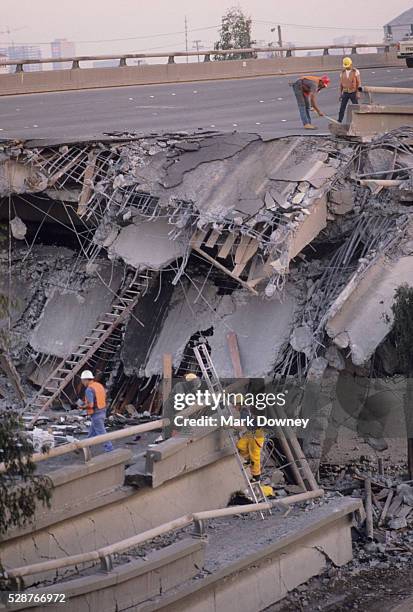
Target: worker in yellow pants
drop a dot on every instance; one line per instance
(250, 446)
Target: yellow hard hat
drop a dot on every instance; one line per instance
(190, 376)
(347, 62)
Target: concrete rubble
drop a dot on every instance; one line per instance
(279, 241)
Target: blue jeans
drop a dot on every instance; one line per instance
(97, 428)
(303, 103)
(346, 97)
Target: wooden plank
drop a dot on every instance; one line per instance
(395, 505)
(87, 183)
(224, 269)
(249, 252)
(227, 246)
(212, 240)
(55, 177)
(167, 376)
(198, 238)
(369, 509)
(241, 248)
(386, 508)
(232, 341)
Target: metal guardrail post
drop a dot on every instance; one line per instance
(199, 528)
(289, 53)
(171, 59)
(325, 52)
(75, 64)
(122, 62)
(106, 563)
(353, 50)
(207, 57)
(19, 68)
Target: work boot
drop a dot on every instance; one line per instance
(309, 126)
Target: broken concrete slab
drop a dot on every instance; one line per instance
(363, 312)
(68, 316)
(262, 327)
(313, 171)
(144, 244)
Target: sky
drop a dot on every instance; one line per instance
(96, 25)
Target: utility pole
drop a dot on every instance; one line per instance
(280, 39)
(186, 38)
(196, 43)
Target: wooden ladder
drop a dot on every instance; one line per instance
(65, 372)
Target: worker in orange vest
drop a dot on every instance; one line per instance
(350, 81)
(95, 404)
(305, 90)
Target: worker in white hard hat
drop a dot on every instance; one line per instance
(95, 403)
(350, 82)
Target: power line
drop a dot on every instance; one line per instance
(101, 40)
(313, 27)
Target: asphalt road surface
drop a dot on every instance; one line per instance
(263, 105)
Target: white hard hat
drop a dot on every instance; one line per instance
(86, 375)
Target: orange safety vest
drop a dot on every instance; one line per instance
(310, 78)
(349, 83)
(100, 397)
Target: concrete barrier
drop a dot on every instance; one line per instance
(92, 78)
(79, 488)
(365, 121)
(131, 583)
(137, 511)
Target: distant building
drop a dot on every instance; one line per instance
(61, 47)
(23, 52)
(400, 27)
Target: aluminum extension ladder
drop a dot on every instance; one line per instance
(65, 372)
(214, 385)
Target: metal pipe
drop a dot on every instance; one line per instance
(380, 182)
(178, 523)
(113, 435)
(387, 90)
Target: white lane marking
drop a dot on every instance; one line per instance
(151, 96)
(173, 94)
(235, 124)
(261, 101)
(212, 125)
(195, 91)
(284, 120)
(130, 98)
(35, 125)
(257, 123)
(280, 98)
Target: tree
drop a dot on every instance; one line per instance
(402, 336)
(20, 487)
(235, 33)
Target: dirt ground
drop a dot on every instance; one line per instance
(371, 590)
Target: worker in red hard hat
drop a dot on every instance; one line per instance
(305, 90)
